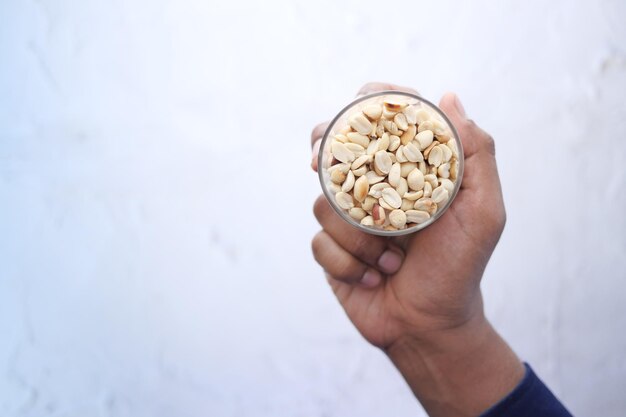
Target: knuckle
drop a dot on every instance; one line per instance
(470, 125)
(348, 272)
(500, 221)
(320, 208)
(318, 131)
(494, 221)
(489, 143)
(496, 228)
(340, 267)
(317, 243)
(484, 139)
(365, 248)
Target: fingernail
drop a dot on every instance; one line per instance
(459, 106)
(371, 278)
(390, 261)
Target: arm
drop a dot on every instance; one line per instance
(530, 398)
(418, 298)
(458, 372)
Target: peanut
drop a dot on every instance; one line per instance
(378, 213)
(415, 180)
(384, 204)
(392, 197)
(357, 213)
(368, 204)
(341, 152)
(406, 204)
(337, 176)
(394, 142)
(427, 205)
(367, 221)
(373, 178)
(373, 111)
(413, 195)
(421, 116)
(402, 187)
(355, 148)
(397, 218)
(400, 120)
(406, 168)
(440, 195)
(416, 216)
(425, 138)
(360, 161)
(400, 154)
(436, 156)
(348, 183)
(382, 161)
(361, 188)
(383, 142)
(395, 174)
(408, 135)
(359, 139)
(412, 154)
(395, 107)
(360, 123)
(360, 171)
(376, 190)
(411, 114)
(393, 165)
(344, 200)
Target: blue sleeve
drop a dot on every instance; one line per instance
(531, 398)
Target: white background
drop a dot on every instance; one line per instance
(155, 198)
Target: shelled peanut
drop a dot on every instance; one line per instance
(393, 165)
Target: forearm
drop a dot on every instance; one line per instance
(458, 372)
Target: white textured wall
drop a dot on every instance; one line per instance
(155, 198)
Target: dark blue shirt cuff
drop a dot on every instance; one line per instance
(531, 398)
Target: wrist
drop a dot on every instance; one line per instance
(460, 371)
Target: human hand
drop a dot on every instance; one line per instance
(420, 293)
(437, 285)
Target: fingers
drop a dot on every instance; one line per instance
(342, 265)
(373, 87)
(474, 139)
(314, 158)
(480, 172)
(318, 132)
(371, 250)
(316, 140)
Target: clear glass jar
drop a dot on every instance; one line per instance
(392, 104)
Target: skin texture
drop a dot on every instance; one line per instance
(418, 297)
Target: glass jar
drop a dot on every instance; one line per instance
(375, 137)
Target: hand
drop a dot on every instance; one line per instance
(437, 285)
(416, 294)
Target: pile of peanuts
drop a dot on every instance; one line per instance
(393, 166)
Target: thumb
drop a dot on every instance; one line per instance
(481, 172)
(473, 138)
